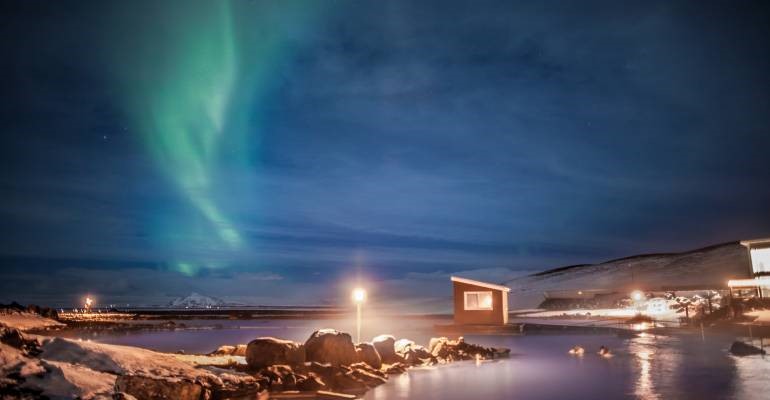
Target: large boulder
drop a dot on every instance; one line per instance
(330, 346)
(368, 354)
(385, 346)
(743, 349)
(266, 351)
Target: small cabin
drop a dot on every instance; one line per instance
(479, 303)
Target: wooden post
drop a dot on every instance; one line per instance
(702, 334)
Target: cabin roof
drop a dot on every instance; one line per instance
(763, 242)
(479, 283)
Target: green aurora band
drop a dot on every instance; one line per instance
(196, 76)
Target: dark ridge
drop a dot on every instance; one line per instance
(559, 269)
(569, 267)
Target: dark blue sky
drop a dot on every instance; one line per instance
(391, 140)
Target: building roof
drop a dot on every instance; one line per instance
(742, 283)
(752, 242)
(479, 283)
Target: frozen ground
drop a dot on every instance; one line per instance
(763, 316)
(27, 321)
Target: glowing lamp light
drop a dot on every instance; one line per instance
(637, 295)
(359, 295)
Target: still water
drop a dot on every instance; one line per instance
(644, 367)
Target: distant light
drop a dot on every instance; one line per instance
(580, 292)
(641, 326)
(760, 281)
(637, 295)
(359, 295)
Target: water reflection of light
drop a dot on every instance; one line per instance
(641, 326)
(644, 387)
(402, 386)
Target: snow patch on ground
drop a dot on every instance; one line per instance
(118, 359)
(763, 316)
(28, 321)
(65, 380)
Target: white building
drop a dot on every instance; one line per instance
(759, 284)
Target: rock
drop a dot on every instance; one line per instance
(240, 350)
(743, 349)
(236, 387)
(14, 338)
(330, 346)
(396, 368)
(279, 376)
(385, 346)
(266, 351)
(224, 351)
(123, 396)
(311, 382)
(365, 373)
(143, 387)
(368, 353)
(412, 353)
(439, 347)
(347, 382)
(341, 377)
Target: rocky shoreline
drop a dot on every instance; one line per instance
(328, 365)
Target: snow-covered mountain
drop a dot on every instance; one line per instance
(709, 267)
(195, 300)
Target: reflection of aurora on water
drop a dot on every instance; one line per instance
(196, 81)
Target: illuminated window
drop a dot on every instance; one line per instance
(478, 300)
(760, 260)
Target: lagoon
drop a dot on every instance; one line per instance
(644, 367)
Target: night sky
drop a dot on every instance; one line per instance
(275, 152)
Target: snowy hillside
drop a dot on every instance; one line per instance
(708, 267)
(195, 300)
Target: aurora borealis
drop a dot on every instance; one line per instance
(267, 151)
(195, 81)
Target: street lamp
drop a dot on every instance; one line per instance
(89, 303)
(637, 296)
(359, 296)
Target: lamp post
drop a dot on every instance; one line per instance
(359, 295)
(89, 303)
(637, 296)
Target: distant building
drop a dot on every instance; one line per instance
(479, 303)
(759, 269)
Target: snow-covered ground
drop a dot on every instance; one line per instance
(64, 368)
(27, 321)
(763, 316)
